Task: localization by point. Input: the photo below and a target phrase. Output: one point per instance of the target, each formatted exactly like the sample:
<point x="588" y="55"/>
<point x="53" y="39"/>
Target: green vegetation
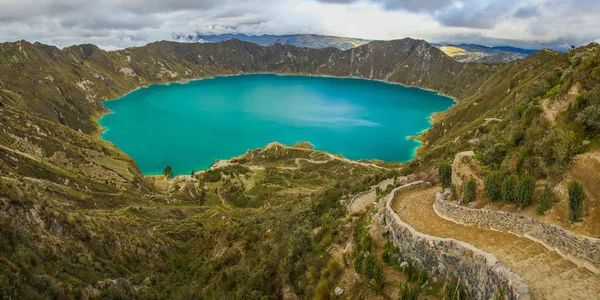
<point x="364" y="259"/>
<point x="525" y="190"/>
<point x="546" y="201"/>
<point x="168" y="171"/>
<point x="454" y="291"/>
<point x="77" y="213"/>
<point x="445" y="174"/>
<point x="576" y="197"/>
<point x="509" y="189"/>
<point x="408" y="292"/>
<point x="470" y="191"/>
<point x="492" y="186"/>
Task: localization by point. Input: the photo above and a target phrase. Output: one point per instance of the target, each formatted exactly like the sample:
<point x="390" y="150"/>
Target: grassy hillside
<point x="78" y="219"/>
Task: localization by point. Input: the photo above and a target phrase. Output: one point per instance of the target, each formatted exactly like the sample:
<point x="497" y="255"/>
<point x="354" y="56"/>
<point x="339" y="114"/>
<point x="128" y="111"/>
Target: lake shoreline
<point x="414" y="150"/>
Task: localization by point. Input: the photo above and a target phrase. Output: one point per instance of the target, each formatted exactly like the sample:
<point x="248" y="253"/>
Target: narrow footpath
<point x="548" y="275"/>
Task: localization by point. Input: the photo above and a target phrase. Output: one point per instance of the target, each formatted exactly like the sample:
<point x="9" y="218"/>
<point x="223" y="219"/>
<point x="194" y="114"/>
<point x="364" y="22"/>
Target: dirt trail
<point x="363" y="200"/>
<point x="548" y="275"/>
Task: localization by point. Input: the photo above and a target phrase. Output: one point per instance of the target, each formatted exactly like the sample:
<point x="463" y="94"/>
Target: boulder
<point x="338" y="291"/>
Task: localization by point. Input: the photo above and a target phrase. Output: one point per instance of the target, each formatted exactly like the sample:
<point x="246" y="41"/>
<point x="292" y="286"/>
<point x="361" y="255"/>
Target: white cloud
<point x="122" y="23"/>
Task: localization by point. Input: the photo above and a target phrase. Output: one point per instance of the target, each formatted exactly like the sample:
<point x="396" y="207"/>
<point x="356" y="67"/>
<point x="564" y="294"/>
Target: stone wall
<point x="583" y="251"/>
<point x="479" y="272"/>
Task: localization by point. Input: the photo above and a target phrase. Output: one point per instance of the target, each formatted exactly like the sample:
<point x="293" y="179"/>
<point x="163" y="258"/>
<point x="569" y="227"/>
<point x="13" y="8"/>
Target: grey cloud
<point x="474" y="14"/>
<point x="161" y="6"/>
<point x="526" y="11"/>
<point x="408" y="5"/>
<point x="416" y="5"/>
<point x="123" y="23"/>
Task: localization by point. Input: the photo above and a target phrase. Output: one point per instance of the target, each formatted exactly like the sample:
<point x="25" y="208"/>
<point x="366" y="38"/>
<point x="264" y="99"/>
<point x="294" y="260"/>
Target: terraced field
<point x="548" y="275"/>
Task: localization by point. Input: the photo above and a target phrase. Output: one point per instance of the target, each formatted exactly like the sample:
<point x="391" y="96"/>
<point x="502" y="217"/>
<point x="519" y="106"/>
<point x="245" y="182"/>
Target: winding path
<point x="548" y="275"/>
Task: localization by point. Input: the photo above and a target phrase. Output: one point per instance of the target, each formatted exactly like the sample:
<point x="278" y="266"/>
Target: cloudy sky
<point x="114" y="24"/>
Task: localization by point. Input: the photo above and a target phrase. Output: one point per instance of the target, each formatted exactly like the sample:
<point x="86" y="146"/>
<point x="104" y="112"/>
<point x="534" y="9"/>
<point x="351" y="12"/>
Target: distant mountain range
<point x="298" y="40"/>
<point x="461" y="53"/>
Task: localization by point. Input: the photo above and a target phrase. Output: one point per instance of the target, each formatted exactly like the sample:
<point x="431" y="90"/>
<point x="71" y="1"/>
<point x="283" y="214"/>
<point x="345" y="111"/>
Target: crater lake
<point x="191" y="125"/>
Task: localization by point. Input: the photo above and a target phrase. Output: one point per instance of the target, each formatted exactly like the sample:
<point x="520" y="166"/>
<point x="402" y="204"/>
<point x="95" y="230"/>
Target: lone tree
<point x="470" y="191"/>
<point x="509" y="189"/>
<point x="576" y="197"/>
<point x="525" y="190"/>
<point x="445" y="174"/>
<point x="168" y="171"/>
<point x="492" y="187"/>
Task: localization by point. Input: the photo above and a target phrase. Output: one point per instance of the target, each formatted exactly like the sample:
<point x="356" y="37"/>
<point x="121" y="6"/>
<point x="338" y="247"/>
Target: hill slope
<point x="69" y="201"/>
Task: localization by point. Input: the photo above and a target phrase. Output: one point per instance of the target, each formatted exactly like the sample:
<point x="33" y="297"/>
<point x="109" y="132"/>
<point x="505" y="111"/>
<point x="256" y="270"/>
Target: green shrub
<point x="494" y="154"/>
<point x="454" y="291"/>
<point x="590" y="117"/>
<point x="470" y="191"/>
<point x="492" y="187"/>
<point x="407" y="292"/>
<point x="322" y="290"/>
<point x="546" y="201"/>
<point x="168" y="171"/>
<point x="212" y="175"/>
<point x="509" y="190"/>
<point x="576" y="197"/>
<point x="445" y="174"/>
<point x="525" y="190"/>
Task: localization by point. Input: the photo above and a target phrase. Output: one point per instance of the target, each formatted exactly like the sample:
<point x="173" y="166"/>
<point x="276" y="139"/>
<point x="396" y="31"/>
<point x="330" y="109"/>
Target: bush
<point x="168" y="171"/>
<point x="470" y="191"/>
<point x="576" y="197"/>
<point x="546" y="201"/>
<point x="525" y="190"/>
<point x="445" y="174"/>
<point x="509" y="189"/>
<point x="322" y="290"/>
<point x="374" y="272"/>
<point x="590" y="117"/>
<point x="388" y="253"/>
<point x="492" y="187"/>
<point x="494" y="155"/>
<point x="407" y="292"/>
<point x="212" y="175"/>
<point x="454" y="291"/>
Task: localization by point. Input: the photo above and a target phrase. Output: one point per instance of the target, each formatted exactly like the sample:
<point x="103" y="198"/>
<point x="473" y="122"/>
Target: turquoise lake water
<point x="191" y="125"/>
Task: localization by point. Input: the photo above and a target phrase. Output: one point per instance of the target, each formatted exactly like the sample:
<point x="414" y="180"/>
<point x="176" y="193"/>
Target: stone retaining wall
<point x="479" y="272"/>
<point x="583" y="251"/>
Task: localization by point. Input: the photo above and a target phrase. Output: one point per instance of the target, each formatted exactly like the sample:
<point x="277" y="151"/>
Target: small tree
<point x="192" y="173"/>
<point x="508" y="191"/>
<point x="546" y="201"/>
<point x="168" y="171"/>
<point x="492" y="187"/>
<point x="470" y="191"/>
<point x="445" y="174"/>
<point x="525" y="190"/>
<point x="576" y="197"/>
